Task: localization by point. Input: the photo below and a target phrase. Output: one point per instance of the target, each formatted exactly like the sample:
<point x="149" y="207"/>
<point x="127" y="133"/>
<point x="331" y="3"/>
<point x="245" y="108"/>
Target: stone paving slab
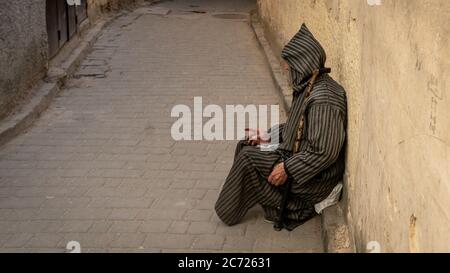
<point x="100" y="167"/>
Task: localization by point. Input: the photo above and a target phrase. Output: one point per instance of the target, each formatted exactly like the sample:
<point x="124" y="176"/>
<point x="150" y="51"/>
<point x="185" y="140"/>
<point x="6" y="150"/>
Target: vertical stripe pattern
<point x="304" y="54"/>
<point x="316" y="168"/>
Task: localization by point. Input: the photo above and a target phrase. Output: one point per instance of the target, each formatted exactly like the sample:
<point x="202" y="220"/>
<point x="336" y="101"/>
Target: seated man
<point x="311" y="150"/>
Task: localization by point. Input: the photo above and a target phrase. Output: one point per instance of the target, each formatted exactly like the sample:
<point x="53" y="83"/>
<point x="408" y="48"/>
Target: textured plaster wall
<point x="394" y="61"/>
<point x="23" y="49"/>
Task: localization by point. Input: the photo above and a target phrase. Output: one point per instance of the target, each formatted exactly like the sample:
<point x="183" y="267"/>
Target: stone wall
<point x="23" y="49"/>
<point x="394" y="61"/>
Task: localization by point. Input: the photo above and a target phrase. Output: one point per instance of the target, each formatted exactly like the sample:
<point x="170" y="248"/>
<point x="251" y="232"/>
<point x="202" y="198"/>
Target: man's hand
<point x="278" y="176"/>
<point x="256" y="137"/>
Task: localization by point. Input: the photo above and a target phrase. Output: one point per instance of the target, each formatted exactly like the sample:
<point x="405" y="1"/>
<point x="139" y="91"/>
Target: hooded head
<point x="304" y="54"/>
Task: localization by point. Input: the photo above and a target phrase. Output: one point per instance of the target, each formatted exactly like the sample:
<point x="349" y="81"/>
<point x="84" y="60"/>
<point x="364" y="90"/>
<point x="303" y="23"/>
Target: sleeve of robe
<point x="325" y="137"/>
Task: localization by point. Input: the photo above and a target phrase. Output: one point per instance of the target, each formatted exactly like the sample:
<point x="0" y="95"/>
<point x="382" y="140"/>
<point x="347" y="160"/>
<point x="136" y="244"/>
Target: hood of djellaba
<point x="304" y="54"/>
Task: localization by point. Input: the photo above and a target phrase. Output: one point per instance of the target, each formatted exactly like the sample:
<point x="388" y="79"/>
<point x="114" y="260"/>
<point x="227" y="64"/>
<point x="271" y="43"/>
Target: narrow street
<point x="100" y="166"/>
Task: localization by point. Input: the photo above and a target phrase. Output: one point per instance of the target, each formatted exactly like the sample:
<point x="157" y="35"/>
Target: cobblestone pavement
<point x="100" y="167"/>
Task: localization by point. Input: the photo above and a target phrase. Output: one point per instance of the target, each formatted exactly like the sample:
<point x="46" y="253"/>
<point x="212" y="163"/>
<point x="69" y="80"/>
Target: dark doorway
<point x="62" y="22"/>
<point x="52" y="27"/>
<point x="82" y="11"/>
<point x="72" y="20"/>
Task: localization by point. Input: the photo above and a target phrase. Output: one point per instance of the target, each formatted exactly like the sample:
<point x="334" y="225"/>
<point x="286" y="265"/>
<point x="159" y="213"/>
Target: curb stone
<point x="335" y="231"/>
<point x="19" y="122"/>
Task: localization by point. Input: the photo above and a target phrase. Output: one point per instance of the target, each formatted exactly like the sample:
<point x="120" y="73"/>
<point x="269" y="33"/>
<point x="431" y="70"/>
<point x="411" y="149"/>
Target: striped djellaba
<point x="316" y="168"/>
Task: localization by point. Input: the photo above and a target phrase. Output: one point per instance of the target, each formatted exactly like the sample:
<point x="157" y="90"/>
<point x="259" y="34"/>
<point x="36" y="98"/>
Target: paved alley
<point x="100" y="166"/>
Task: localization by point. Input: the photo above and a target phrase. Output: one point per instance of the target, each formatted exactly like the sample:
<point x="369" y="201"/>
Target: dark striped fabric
<point x="304" y="54"/>
<point x="247" y="185"/>
<point x="319" y="165"/>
